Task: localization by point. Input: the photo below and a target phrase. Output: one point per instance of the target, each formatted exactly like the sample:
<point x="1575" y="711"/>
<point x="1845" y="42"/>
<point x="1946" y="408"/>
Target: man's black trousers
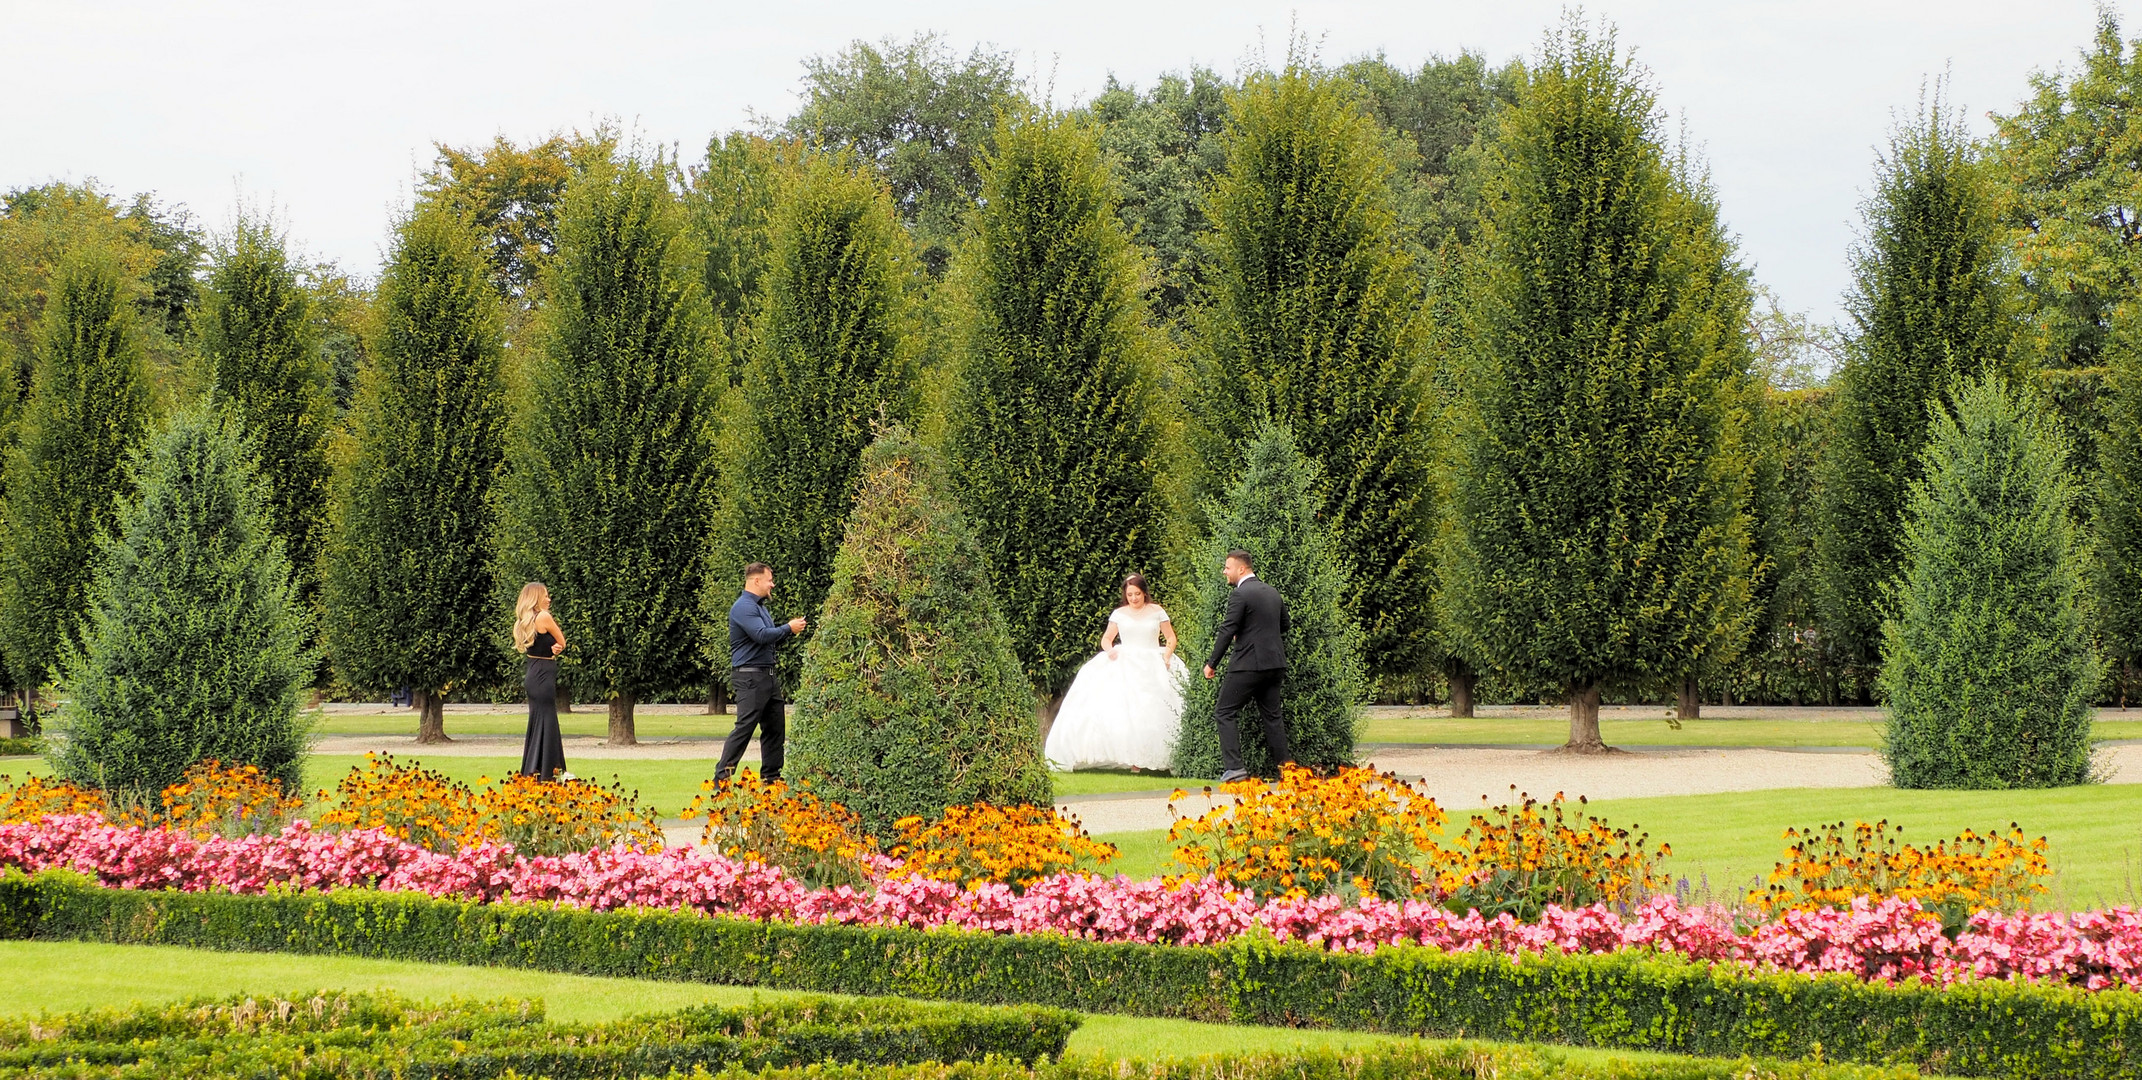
<point x="1239" y="688"/>
<point x="758" y="706"/>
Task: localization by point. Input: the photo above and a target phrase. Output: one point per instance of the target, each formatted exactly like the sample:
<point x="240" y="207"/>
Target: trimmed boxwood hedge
<point x="360" y="1035"/>
<point x="1625" y="1001"/>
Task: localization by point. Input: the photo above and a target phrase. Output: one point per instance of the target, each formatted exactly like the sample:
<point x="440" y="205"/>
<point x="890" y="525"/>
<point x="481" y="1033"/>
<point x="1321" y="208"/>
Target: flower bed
<point x="1886" y="940"/>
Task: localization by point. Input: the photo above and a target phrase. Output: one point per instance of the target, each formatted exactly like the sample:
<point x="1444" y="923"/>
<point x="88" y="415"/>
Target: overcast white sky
<point x="327" y="110"/>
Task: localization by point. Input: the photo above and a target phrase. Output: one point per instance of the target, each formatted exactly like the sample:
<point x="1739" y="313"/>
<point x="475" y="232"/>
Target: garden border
<point x="1611" y="1001"/>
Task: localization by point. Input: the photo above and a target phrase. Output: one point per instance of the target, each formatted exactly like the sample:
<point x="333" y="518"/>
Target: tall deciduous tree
<point x="612" y="470"/>
<point x="922" y="116"/>
<point x="1311" y="320"/>
<point x="830" y="361"/>
<point x="1988" y="667"/>
<point x="729" y="208"/>
<point x="1597" y="531"/>
<point x="194" y="645"/>
<point x="514" y="194"/>
<point x="1272" y="514"/>
<point x="263" y="358"/>
<point x="408" y="581"/>
<point x="1051" y="419"/>
<point x="2068" y="165"/>
<point x="1929" y="309"/>
<point x="2116" y="521"/>
<point x="88" y="408"/>
<point x="912" y="697"/>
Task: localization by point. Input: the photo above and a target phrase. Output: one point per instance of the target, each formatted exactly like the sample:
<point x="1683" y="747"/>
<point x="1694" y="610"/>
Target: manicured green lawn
<point x="1723" y="843"/>
<point x="62" y="976"/>
<point x="584" y="720"/>
<point x="1554" y="730"/>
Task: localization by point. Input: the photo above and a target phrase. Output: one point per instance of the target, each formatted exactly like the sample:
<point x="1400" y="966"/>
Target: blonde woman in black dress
<point x="538" y="638"/>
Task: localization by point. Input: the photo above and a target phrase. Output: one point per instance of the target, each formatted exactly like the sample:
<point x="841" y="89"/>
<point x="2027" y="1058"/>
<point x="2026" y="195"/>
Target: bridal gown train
<point x="1122" y="713"/>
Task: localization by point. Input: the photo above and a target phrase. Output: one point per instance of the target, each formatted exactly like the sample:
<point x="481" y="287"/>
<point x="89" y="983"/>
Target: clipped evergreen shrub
<point x="1312" y="317"/>
<point x="612" y="466"/>
<point x="194" y="644"/>
<point x="264" y="363"/>
<point x="912" y="697"/>
<point x="1988" y="666"/>
<point x="1052" y="418"/>
<point x="407" y="584"/>
<point x="88" y="409"/>
<point x="830" y="360"/>
<point x="1271" y="513"/>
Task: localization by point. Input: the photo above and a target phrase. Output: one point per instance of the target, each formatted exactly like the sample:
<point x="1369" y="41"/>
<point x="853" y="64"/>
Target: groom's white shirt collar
<point x="1246" y="575"/>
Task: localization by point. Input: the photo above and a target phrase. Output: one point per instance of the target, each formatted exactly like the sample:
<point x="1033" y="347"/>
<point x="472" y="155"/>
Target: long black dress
<point x="542" y="750"/>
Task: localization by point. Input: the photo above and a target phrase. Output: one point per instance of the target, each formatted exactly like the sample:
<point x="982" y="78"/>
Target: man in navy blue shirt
<point x="752" y="636"/>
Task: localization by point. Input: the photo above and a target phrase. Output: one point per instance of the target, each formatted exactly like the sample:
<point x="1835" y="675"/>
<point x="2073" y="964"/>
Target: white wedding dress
<point x="1125" y="712"/>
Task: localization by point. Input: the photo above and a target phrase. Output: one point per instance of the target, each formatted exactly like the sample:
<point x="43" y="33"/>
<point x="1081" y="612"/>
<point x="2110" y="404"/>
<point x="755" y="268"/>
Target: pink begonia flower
<point x="1883" y="940"/>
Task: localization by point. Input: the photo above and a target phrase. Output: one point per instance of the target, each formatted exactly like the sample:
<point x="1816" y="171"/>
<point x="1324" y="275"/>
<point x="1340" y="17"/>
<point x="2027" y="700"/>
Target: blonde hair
<point x="535" y="600"/>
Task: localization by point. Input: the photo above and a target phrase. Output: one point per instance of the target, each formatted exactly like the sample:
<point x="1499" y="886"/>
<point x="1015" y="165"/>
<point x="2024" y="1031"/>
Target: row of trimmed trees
<point x="1554" y="467"/>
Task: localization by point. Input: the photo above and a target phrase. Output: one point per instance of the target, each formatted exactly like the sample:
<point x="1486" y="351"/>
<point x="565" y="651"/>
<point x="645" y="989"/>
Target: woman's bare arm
<point x="1108" y="639"/>
<point x="547" y="625"/>
<point x="1167" y="636"/>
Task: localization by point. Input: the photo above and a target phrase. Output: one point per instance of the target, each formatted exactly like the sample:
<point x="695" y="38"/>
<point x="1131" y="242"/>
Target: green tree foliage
<point x="89" y="407"/>
<point x="1271" y="512"/>
<point x="1051" y="422"/>
<point x="830" y="360"/>
<point x="1165" y="145"/>
<point x="262" y="354"/>
<point x="514" y="195"/>
<point x="1433" y="118"/>
<point x="1987" y="666"/>
<point x="913" y="699"/>
<point x="612" y="470"/>
<point x="1928" y="309"/>
<point x="919" y="114"/>
<point x="408" y="581"/>
<point x="194" y="642"/>
<point x="157" y="246"/>
<point x="729" y="207"/>
<point x="1311" y="320"/>
<point x="2068" y="166"/>
<point x="1597" y="530"/>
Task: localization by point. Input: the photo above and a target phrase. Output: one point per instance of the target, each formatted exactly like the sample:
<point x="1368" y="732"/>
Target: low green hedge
<point x="336" y="1035"/>
<point x="1626" y="1001"/>
<point x="1405" y="1061"/>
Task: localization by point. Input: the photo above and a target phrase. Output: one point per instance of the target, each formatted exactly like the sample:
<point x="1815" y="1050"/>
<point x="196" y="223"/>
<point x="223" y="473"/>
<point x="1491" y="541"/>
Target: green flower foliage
<point x="1051" y="423"/>
<point x="88" y="408"/>
<point x="1929" y="307"/>
<point x="1597" y="531"/>
<point x="408" y="582"/>
<point x="831" y="360"/>
<point x="1311" y="320"/>
<point x="194" y="645"/>
<point x="1271" y="513"/>
<point x="1988" y="666"/>
<point x="913" y="699"/>
<point x="612" y="467"/>
<point x="263" y="359"/>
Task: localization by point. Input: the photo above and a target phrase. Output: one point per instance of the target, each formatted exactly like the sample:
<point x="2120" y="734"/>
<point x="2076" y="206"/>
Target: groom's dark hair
<point x="752" y="570"/>
<point x="1242" y="557"/>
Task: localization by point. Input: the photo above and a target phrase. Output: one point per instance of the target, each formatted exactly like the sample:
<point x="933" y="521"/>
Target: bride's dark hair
<point x="1139" y="581"/>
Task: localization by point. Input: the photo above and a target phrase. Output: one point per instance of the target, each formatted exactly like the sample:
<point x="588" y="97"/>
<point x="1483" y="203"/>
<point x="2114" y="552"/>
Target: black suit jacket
<point x="1255" y="628"/>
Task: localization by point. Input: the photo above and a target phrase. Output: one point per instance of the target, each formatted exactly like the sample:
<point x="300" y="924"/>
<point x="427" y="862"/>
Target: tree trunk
<point x="621" y="721"/>
<point x="1461" y="694"/>
<point x="1045" y="710"/>
<point x="717" y="697"/>
<point x="431" y="716"/>
<point x="565" y="696"/>
<point x="1691" y="704"/>
<point x="1584" y="722"/>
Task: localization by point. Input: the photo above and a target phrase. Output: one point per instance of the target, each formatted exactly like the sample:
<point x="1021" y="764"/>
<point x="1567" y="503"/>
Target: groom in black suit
<point x="1255" y="628"/>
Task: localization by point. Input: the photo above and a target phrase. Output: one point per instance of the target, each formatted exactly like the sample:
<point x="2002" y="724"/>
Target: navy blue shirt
<point x="753" y="633"/>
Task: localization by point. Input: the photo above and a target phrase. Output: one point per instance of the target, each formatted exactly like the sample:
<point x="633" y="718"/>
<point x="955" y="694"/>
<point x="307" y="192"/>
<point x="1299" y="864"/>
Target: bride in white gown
<point x="1126" y="705"/>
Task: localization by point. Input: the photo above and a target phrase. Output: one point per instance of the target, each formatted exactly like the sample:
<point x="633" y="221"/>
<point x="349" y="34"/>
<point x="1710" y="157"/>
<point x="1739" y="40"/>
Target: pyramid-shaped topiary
<point x="1271" y="513"/>
<point x="194" y="645"/>
<point x="912" y="698"/>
